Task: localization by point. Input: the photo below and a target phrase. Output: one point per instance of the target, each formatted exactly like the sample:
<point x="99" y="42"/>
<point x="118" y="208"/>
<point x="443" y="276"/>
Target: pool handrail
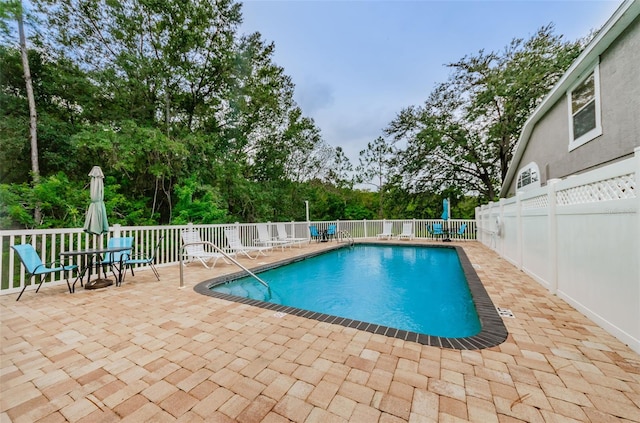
<point x="221" y="251"/>
<point x="345" y="234"/>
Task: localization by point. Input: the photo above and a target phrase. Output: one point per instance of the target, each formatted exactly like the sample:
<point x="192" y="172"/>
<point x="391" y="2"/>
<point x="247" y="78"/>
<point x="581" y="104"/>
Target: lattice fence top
<point x="539" y="202"/>
<point x="618" y="188"/>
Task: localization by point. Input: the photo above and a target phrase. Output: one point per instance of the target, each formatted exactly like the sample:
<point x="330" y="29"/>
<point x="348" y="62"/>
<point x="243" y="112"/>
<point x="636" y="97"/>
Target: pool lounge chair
<point x="235" y="245"/>
<point x="283" y="236"/>
<point x="35" y="267"/>
<point x="265" y="239"/>
<point x="197" y="252"/>
<point x="386" y="231"/>
<point x="407" y="231"/>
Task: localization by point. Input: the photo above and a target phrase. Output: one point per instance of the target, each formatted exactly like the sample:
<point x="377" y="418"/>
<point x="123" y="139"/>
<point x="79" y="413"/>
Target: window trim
<point x="533" y="166"/>
<point x="597" y="131"/>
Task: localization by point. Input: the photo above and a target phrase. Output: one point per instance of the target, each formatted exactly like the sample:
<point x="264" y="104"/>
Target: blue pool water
<point x="412" y="288"/>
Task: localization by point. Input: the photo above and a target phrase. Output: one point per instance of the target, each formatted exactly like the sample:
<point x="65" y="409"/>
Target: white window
<point x="528" y="177"/>
<point x="584" y="109"/>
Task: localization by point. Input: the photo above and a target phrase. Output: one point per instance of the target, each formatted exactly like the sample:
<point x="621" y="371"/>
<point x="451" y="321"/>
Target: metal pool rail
<point x="218" y="249"/>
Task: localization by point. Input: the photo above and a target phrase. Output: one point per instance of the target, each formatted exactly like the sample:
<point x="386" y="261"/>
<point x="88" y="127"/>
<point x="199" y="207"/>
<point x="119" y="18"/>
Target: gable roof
<point x="610" y="31"/>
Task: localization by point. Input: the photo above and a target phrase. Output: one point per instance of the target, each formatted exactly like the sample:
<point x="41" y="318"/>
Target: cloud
<point x="313" y="96"/>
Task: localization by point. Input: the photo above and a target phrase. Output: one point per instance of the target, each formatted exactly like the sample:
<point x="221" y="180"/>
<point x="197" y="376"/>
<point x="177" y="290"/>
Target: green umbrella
<point x="96" y="219"/>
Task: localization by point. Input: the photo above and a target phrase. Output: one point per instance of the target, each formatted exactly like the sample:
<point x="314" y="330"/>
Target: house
<point x="591" y="118"/>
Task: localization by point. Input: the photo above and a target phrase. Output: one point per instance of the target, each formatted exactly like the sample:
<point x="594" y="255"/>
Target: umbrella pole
<point x="448" y="239"/>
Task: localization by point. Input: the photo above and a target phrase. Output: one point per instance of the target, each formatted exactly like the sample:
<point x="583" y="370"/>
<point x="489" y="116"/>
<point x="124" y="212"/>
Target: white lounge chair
<point x="235" y="245"/>
<point x="197" y="251"/>
<point x="386" y="231"/>
<point x="283" y="236"/>
<point x="407" y="231"/>
<point x="265" y="240"/>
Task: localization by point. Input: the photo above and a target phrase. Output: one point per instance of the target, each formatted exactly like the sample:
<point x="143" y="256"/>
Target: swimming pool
<point x="433" y="304"/>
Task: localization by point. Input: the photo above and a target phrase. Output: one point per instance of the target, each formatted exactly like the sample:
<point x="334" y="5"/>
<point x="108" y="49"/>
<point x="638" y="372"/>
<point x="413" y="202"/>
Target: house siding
<point x="620" y="113"/>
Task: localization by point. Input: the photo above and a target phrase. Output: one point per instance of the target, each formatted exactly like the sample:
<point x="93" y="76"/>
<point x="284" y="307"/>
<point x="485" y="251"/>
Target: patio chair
<point x="116" y="260"/>
<point x="436" y="230"/>
<point x="313" y="230"/>
<point x="143" y="261"/>
<point x="283" y="236"/>
<point x="266" y="240"/>
<point x="386" y="231"/>
<point x="34" y="266"/>
<point x="461" y="231"/>
<point x="196" y="251"/>
<point x="235" y="244"/>
<point x="331" y="231"/>
<point x="407" y="231"/>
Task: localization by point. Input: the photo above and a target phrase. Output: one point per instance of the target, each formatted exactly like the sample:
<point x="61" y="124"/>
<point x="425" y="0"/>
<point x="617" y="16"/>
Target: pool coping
<point x="493" y="332"/>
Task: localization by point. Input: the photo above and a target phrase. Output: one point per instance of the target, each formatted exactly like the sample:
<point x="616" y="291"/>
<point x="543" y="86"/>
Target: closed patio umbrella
<point x="446" y="214"/>
<point x="96" y="220"/>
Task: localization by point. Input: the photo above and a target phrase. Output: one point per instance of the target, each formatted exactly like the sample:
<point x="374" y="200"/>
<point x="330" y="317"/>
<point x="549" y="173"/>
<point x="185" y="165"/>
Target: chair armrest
<point x="56" y="263"/>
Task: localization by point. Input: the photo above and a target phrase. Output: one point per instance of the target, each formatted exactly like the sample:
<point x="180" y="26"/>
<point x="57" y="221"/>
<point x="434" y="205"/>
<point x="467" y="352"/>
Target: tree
<point x="466" y="132"/>
<point x="374" y="167"/>
<point x="340" y="171"/>
<point x="15" y="8"/>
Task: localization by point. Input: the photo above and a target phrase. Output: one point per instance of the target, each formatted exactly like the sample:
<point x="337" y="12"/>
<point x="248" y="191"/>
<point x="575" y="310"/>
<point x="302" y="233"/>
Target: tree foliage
<point x="375" y="167"/>
<point x="465" y="133"/>
<point x="191" y="120"/>
<point x="180" y="110"/>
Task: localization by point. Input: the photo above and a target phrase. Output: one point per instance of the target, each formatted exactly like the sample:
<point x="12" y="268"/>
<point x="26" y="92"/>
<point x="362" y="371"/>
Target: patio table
<point x="90" y="255"/>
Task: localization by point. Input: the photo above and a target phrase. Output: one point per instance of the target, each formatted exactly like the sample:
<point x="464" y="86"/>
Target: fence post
<point x="553" y="235"/>
<point x="501" y="230"/>
<point x="365" y="228"/>
<point x="116" y="230"/>
<point x="519" y="233"/>
<point x="636" y="152"/>
<point x="478" y="228"/>
<point x="490" y="234"/>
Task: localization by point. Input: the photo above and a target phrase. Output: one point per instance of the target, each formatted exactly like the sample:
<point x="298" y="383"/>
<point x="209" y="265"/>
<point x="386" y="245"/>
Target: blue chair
<point x="116" y="260"/>
<point x="331" y="231"/>
<point x="461" y="231"/>
<point x="34" y="266"/>
<point x="436" y="230"/>
<point x="143" y="261"/>
<point x="314" y="232"/>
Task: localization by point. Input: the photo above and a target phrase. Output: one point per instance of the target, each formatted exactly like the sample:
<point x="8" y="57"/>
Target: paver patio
<point x="149" y="351"/>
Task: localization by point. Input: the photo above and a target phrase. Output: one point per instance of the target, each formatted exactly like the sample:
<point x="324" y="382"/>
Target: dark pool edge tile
<point x="493" y="332"/>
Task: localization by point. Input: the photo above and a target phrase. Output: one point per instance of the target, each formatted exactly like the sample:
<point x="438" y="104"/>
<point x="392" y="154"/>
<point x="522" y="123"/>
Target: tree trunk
<point x="33" y="117"/>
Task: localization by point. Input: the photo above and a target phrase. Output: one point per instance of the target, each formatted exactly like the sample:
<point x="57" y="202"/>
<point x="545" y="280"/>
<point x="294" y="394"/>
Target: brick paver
<point x="149" y="351"/>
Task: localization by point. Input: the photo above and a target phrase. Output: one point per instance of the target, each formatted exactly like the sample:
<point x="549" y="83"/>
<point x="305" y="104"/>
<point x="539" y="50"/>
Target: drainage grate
<point x="505" y="312"/>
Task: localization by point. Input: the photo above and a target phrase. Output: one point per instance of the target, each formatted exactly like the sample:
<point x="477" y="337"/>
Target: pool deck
<point x="149" y="351"/>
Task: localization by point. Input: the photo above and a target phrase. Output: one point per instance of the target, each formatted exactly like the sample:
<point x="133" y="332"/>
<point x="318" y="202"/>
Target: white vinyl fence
<point x="51" y="242"/>
<point x="580" y="238"/>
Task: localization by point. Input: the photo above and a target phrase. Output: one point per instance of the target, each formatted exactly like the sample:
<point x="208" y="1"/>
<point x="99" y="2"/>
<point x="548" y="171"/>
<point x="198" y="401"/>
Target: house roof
<point x="611" y="30"/>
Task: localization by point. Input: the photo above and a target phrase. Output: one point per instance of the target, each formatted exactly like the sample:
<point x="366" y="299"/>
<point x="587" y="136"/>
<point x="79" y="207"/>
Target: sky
<point x="357" y="64"/>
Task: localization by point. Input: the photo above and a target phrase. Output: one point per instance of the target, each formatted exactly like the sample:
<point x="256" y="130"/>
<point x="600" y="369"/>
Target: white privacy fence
<point x="51" y="242"/>
<point x="580" y="238"/>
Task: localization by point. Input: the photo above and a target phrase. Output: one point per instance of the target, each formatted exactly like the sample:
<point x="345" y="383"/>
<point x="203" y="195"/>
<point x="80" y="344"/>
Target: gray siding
<point x="620" y="112"/>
